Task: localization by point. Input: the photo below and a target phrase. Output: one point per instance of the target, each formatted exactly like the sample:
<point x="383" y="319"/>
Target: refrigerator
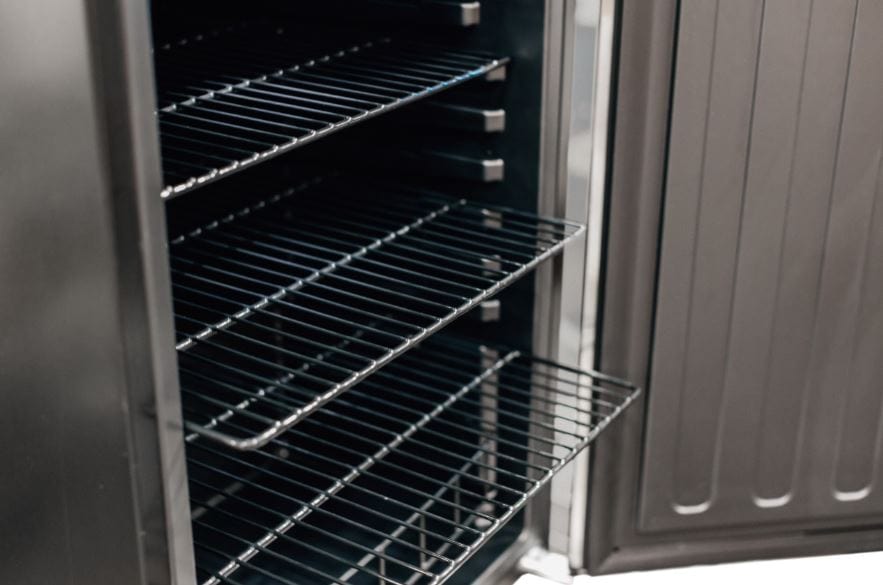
<point x="417" y="291"/>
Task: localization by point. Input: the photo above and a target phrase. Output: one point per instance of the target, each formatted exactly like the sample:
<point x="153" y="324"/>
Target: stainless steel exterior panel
<point x="765" y="401"/>
<point x="93" y="486"/>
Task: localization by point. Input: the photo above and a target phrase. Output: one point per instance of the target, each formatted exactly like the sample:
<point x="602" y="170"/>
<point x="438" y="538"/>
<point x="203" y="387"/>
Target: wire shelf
<point x="313" y="290"/>
<point x="401" y="480"/>
<point x="233" y="98"/>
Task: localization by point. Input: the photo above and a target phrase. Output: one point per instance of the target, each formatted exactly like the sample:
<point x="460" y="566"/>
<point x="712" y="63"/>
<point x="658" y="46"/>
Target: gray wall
<point x="765" y="392"/>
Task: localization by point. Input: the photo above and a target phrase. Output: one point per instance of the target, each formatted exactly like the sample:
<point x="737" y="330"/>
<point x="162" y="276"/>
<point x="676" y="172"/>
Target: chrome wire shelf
<point x="402" y="479"/>
<point x="303" y="295"/>
<point x="234" y="98"/>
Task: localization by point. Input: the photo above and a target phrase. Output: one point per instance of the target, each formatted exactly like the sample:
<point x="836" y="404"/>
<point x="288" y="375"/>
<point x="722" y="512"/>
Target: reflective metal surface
<point x="768" y="323"/>
<point x="346" y="285"/>
<point x="762" y="335"/>
<point x="93" y="488"/>
<point x="591" y="70"/>
<point x="405" y="477"/>
<point x="235" y="97"/>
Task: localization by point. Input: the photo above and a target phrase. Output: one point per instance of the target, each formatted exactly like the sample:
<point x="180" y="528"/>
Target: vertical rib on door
<point x="765" y="401"/>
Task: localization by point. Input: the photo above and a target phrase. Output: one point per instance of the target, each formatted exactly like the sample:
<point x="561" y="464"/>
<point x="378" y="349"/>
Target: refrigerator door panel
<point x="743" y="283"/>
<point x="766" y="402"/>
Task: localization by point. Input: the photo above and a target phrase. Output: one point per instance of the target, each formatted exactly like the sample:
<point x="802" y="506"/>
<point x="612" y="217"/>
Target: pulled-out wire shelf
<point x="301" y="296"/>
<point x="402" y="479"/>
<point x="236" y="97"/>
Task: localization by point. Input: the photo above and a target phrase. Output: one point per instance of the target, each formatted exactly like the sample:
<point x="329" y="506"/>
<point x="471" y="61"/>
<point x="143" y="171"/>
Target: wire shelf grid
<point x="236" y="97"/>
<point x="404" y="478"/>
<point x="316" y="291"/>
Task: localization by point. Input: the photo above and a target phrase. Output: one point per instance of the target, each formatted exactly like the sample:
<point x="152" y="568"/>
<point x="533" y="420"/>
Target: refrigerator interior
<point x="341" y="183"/>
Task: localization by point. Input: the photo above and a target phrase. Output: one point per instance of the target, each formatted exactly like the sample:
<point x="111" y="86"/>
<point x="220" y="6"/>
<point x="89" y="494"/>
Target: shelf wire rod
<point x="331" y="79"/>
<point x="267" y="117"/>
<point x="443" y="70"/>
<point x="368" y="260"/>
<point x="386" y="374"/>
<point x="314" y="231"/>
<point x="255" y="548"/>
<point x="282" y="535"/>
<point x="174" y="148"/>
<point x="315" y="78"/>
<point x="350" y="265"/>
<point x="372" y="427"/>
<point x="319" y="510"/>
<point x="381" y="460"/>
<point x="491" y="486"/>
<point x="466" y="241"/>
<point x="571" y="226"/>
<point x="269" y="393"/>
<point x="619" y="382"/>
<point x="287" y="335"/>
<point x="387" y="252"/>
<point x="297" y="108"/>
<point x="249" y="131"/>
<point x="275" y="349"/>
<point x="623" y="386"/>
<point x="474" y="214"/>
<point x="332" y="492"/>
<point x="448" y="222"/>
<point x="296" y="290"/>
<point x="338" y="220"/>
<point x="279" y="299"/>
<point x="467" y="413"/>
<point x="460" y="427"/>
<point x="466" y="428"/>
<point x="292" y="89"/>
<point x="575" y="395"/>
<point x="330" y="113"/>
<point x="260" y="145"/>
<point x="421" y="48"/>
<point x="205" y="145"/>
<point x="273" y="92"/>
<point x="167" y="160"/>
<point x="412" y="82"/>
<point x="270" y="312"/>
<point x="337" y="497"/>
<point x="439" y="56"/>
<point x="558" y="380"/>
<point x="440" y="436"/>
<point x="408" y="69"/>
<point x="351" y="339"/>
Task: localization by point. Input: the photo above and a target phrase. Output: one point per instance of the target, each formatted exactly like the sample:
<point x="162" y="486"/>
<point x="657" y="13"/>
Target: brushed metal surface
<point x="764" y="397"/>
<point x="59" y="372"/>
<point x="89" y="454"/>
